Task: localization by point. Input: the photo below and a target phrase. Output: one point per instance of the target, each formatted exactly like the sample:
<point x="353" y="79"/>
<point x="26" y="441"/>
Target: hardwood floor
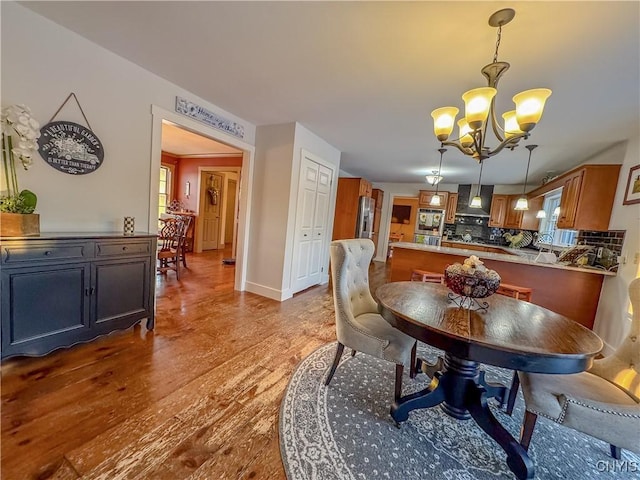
<point x="196" y="398"/>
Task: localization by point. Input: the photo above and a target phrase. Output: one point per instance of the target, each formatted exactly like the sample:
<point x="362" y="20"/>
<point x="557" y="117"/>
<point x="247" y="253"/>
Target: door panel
<point x="311" y="224"/>
<point x="211" y="192"/>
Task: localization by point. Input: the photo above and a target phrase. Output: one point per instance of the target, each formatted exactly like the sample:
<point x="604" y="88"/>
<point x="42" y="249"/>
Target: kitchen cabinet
<point x="504" y="215"/>
<point x="424" y="199"/>
<point x="529" y="220"/>
<point x="569" y="200"/>
<point x="378" y="196"/>
<point x="498" y="212"/>
<point x="347" y="200"/>
<point x="588" y="193"/>
<point x="452" y="206"/>
<point x="61" y="289"/>
<point x="513" y="217"/>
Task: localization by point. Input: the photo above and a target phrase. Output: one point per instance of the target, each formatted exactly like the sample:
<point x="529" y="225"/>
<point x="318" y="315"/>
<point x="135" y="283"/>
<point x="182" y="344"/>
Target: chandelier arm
<point x="495" y="126"/>
<point x="507" y="142"/>
<point x="478" y="143"/>
<point x="466" y="151"/>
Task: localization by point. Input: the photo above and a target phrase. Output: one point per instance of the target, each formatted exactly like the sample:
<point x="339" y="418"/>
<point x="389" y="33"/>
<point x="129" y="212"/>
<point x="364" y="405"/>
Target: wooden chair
<point x="184" y="245"/>
<point x="521" y="293"/>
<point x="424" y="276"/>
<point x="170" y="247"/>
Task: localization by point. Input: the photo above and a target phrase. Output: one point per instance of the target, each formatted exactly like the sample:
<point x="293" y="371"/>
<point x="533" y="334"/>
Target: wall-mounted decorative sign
<point x="208" y="117"/>
<point x="70" y="147"/>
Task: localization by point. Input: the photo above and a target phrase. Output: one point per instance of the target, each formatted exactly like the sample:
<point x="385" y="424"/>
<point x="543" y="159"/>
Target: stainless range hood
<point x="466" y="192"/>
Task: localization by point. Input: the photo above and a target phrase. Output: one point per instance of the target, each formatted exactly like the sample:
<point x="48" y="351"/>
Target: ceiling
<point x="365" y="76"/>
<point x="184" y="143"/>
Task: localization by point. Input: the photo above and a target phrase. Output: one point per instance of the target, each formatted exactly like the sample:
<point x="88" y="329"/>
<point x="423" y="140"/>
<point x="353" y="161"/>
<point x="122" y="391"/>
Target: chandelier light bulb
<point x="529" y="107"/>
<point x="466" y="140"/>
<point x="443" y="121"/>
<point x="477" y="103"/>
<point x="511" y="126"/>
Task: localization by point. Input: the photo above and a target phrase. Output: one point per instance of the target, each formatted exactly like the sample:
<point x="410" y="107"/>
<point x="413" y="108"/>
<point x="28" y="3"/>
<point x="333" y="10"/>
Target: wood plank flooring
<point x="196" y="398"/>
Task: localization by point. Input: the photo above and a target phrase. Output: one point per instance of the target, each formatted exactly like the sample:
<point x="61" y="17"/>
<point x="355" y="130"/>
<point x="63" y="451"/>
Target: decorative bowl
<point x="479" y="284"/>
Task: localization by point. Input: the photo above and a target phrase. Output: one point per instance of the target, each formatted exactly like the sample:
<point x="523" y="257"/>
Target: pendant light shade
<point x="541" y="214"/>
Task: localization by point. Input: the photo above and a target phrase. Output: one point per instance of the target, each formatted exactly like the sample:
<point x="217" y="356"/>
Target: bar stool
<point x="520" y="293"/>
<point x="424" y="276"/>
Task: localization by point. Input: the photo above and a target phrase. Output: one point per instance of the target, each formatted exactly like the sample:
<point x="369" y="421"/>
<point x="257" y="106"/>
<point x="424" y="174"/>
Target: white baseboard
<point x="268" y="292"/>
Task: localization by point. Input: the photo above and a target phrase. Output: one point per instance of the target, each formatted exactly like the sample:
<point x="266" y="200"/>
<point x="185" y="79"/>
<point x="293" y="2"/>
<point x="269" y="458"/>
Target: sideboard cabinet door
<point x="121" y="293"/>
<point x="44" y="307"/>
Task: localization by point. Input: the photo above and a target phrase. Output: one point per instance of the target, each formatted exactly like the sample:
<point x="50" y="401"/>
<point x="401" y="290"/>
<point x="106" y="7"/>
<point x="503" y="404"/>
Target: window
<point x="549" y="233"/>
<point x="165" y="188"/>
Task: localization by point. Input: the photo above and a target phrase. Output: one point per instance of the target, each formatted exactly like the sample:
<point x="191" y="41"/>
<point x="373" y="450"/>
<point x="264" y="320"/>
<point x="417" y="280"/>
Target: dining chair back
<point x="359" y="326"/>
<point x="170" y="246"/>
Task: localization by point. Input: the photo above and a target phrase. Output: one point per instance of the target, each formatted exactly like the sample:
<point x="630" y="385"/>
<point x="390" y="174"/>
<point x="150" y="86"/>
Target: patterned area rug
<point x="345" y="432"/>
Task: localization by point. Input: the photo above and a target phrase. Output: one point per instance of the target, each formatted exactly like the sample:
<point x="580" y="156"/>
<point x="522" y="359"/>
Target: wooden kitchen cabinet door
<point x="498" y="213"/>
<point x="452" y="206"/>
<point x="513" y="217"/>
<point x="569" y="201"/>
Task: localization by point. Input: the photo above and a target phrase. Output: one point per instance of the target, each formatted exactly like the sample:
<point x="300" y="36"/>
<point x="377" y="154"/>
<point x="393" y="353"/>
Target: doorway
<point x="244" y="172"/>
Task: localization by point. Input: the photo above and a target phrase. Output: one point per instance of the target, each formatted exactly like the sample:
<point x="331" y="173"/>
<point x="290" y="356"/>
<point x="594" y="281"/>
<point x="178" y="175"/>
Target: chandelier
<point x="479" y="109"/>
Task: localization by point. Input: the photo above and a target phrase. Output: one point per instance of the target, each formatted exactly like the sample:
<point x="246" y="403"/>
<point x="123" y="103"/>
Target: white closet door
<point x="311" y="232"/>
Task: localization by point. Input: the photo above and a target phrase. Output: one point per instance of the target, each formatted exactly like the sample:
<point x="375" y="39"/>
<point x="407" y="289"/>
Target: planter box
<point x="19" y="224"/>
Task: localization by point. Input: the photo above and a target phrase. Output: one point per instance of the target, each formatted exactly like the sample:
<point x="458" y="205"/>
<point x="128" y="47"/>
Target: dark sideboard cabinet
<point x="61" y="289"/>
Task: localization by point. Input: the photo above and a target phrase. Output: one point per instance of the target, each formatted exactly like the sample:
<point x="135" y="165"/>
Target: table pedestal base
<point x="463" y="392"/>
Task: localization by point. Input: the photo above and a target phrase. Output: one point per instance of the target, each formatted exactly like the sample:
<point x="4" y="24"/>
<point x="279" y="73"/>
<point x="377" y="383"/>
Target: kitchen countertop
<point x="512" y="255"/>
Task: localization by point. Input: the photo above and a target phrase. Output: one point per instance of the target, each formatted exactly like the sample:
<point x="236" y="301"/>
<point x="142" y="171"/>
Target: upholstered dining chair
<point x="603" y="402"/>
<point x="171" y="238"/>
<point x="359" y="326"/>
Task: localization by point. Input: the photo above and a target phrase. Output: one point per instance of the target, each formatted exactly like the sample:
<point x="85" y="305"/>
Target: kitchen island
<point x="570" y="291"/>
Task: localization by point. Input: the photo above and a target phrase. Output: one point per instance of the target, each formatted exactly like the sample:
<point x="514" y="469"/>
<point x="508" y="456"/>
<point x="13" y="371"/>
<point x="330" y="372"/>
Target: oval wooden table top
<point x="513" y="334"/>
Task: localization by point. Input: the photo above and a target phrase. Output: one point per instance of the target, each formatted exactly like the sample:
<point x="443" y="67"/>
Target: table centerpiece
<point x="469" y="282"/>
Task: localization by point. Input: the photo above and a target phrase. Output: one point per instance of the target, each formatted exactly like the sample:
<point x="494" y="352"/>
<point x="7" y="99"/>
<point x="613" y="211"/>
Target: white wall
<point x="278" y="157"/>
<point x="270" y="208"/>
<point x="41" y="64"/>
<point x="612" y="322"/>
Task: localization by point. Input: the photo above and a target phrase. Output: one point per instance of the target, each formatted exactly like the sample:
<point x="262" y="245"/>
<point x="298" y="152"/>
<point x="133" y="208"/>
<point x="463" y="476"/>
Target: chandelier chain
<point x="499" y="37"/>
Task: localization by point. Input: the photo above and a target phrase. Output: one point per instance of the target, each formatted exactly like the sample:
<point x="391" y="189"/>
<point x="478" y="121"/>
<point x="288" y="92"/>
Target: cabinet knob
<point x="47" y="253"/>
<point x="304" y="235"/>
<point x="124" y="248"/>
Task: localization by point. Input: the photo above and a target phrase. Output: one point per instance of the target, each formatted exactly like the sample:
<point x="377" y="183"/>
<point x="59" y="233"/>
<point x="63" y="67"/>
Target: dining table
<point x="509" y="333"/>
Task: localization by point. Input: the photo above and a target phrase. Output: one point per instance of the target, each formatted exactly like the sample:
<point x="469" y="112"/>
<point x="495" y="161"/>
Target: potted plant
<point x="20" y="132"/>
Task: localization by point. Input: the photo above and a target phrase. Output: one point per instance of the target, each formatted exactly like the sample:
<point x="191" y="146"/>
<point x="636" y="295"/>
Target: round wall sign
<point x="70" y="148"/>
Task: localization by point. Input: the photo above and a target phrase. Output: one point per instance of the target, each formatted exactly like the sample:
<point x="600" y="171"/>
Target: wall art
<point x="70" y="148"/>
<point x="193" y="110"/>
<point x="632" y="192"/>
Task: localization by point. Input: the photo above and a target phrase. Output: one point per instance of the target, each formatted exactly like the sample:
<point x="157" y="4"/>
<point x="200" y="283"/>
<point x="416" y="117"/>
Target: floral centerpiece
<point x="471" y="280"/>
<point x="16" y="120"/>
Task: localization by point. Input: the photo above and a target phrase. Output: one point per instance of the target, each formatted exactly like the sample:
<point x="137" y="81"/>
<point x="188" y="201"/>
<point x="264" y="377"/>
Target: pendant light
<point x="476" y="202"/>
<point x="523" y="202"/>
<point x="541" y="214"/>
<point x="436" y="200"/>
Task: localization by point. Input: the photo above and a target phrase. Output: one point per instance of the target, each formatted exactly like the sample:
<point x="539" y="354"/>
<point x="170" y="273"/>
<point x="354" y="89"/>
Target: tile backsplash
<point x="607" y="246"/>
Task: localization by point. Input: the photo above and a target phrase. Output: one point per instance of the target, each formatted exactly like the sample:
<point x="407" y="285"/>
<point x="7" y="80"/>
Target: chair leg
<point x="353" y="352"/>
<point x="336" y="360"/>
<point x="184" y="257"/>
<point x="527" y="429"/>
<point x="513" y="392"/>
<point x="616" y="452"/>
<point x="412" y="366"/>
<point x="398" y="387"/>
